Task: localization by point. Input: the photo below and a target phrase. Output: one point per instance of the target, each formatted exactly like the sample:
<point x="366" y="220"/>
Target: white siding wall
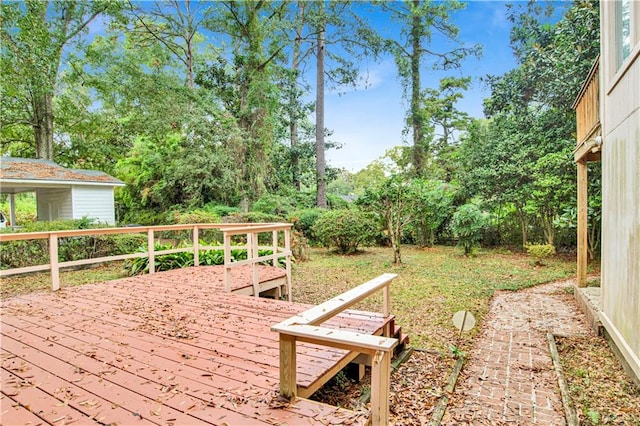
<point x="620" y="310"/>
<point x="94" y="202"/>
<point x="53" y="204"/>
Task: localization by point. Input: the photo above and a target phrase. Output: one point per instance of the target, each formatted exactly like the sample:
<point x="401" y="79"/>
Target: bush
<point x="540" y="252"/>
<point x="167" y="262"/>
<point x="274" y="204"/>
<point x="194" y="216"/>
<point x="303" y="221"/>
<point x="220" y="210"/>
<point x="468" y="222"/>
<point x="336" y="202"/>
<point x="17" y="254"/>
<point x="344" y="229"/>
<point x="252" y="217"/>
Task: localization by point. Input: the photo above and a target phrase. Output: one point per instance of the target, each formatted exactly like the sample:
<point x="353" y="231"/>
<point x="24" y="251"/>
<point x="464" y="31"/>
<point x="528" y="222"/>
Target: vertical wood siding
<point x="621" y="195"/>
<point x="94" y="202"/>
<point x="53" y="204"/>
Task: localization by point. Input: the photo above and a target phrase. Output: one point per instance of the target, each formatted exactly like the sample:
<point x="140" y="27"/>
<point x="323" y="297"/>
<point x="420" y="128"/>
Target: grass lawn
<point x="432" y="284"/>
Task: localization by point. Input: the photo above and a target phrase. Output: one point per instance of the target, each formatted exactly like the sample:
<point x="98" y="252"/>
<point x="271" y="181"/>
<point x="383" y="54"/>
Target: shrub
<point x="336" y="202"/>
<point x="220" y="210"/>
<point x="252" y="217"/>
<point x="167" y="262"/>
<point x="344" y="229"/>
<point x="274" y="204"/>
<point x="468" y="222"/>
<point x="303" y="221"/>
<point x="194" y="216"/>
<point x="16" y="254"/>
<point x="540" y="252"/>
<point x="299" y="246"/>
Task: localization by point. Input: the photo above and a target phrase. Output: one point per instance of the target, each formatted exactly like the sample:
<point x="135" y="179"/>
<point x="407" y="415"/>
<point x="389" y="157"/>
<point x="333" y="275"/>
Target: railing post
<point x="287" y="248"/>
<point x="151" y="251"/>
<point x="254" y="266"/>
<point x="53" y="262"/>
<point x="274" y="246"/>
<point x="380" y="370"/>
<point x="196" y="246"/>
<point x="288" y="386"/>
<point x="386" y="309"/>
<point x="227" y="262"/>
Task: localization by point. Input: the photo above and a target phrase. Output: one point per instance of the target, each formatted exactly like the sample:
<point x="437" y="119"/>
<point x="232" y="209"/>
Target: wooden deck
<point x="272" y="280"/>
<point x="164" y="348"/>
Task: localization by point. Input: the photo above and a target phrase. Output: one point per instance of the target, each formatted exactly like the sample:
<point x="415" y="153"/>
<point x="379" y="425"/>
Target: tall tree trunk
<point x="43" y="125"/>
<point x="293" y="104"/>
<point x="321" y="200"/>
<point x="417" y="122"/>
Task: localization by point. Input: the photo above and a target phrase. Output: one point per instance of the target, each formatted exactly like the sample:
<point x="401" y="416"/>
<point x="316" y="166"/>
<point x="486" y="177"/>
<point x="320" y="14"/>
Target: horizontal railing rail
<point x="251" y="231"/>
<point x="305" y="327"/>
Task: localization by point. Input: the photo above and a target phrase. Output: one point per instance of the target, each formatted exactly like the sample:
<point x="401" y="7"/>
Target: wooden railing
<point x="587" y="106"/>
<point x="305" y="327"/>
<point x="250" y="230"/>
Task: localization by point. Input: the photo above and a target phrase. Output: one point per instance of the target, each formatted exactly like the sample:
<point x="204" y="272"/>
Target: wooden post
<point x="254" y="265"/>
<point x="53" y="262"/>
<point x="386" y="309"/>
<point x="380" y="370"/>
<point x="227" y="263"/>
<point x="196" y="246"/>
<point x="12" y="209"/>
<point x="287" y="248"/>
<point x="151" y="251"/>
<point x="274" y="247"/>
<point x="288" y="386"/>
<point x="582" y="223"/>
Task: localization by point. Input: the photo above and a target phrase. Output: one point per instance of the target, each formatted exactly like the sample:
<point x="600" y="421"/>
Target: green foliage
<point x="251" y="217"/>
<point x="431" y="203"/>
<point x="16" y="254"/>
<point x="167" y="262"/>
<point x="390" y="201"/>
<point x="540" y="251"/>
<point x="220" y="210"/>
<point x="194" y="216"/>
<point x="468" y="222"/>
<point x="303" y="221"/>
<point x="274" y="204"/>
<point x="344" y="229"/>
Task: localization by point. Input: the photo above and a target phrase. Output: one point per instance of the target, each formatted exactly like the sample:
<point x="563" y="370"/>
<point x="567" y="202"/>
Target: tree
<point x="420" y="20"/>
<point x="175" y="25"/>
<point x="439" y="107"/>
<point x="467" y="225"/>
<point x="390" y="201"/>
<point x="533" y="122"/>
<point x="244" y="84"/>
<point x="34" y="37"/>
<point x="431" y="205"/>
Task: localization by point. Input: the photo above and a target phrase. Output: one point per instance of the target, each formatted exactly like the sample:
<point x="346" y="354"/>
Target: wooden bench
<point x="306" y="327"/>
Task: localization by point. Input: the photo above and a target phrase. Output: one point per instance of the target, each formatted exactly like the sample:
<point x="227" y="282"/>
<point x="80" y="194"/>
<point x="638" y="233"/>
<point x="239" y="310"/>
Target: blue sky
<point x="369" y="121"/>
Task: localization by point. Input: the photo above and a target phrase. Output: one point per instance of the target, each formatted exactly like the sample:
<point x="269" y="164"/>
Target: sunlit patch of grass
<point x="432" y="284"/>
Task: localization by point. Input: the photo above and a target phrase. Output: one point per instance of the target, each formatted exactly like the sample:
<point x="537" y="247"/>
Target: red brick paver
<point x="509" y="377"/>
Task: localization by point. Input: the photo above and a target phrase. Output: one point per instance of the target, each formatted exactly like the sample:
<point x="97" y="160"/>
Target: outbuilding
<point x="61" y="193"/>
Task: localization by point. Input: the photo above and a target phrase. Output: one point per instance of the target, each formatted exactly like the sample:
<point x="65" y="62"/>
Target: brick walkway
<point x="509" y="377"/>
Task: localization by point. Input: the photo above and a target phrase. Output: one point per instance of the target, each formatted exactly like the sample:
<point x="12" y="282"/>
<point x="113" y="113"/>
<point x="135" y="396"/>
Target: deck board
<point x="165" y="348"/>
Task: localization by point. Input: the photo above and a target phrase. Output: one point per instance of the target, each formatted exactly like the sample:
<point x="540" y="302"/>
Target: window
<point x="623" y="31"/>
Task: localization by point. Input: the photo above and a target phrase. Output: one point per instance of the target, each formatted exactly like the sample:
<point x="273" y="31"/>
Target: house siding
<point x="620" y="103"/>
<point x="94" y="202"/>
<point x="54" y="204"/>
